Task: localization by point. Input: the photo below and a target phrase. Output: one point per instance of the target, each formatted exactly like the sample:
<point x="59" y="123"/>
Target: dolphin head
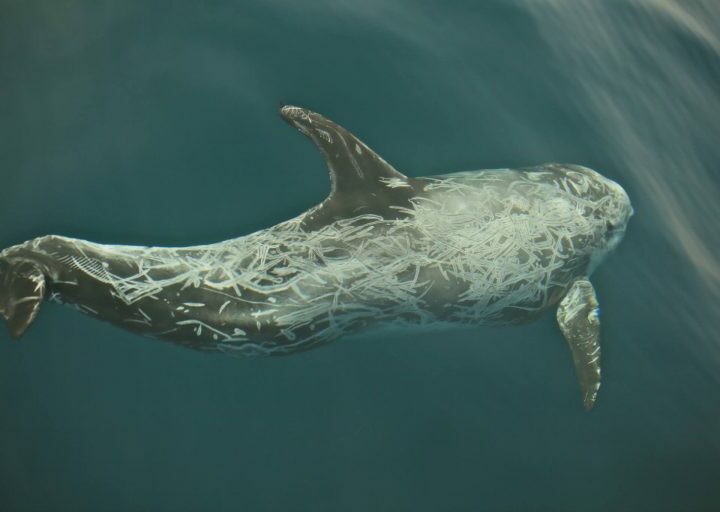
<point x="617" y="212"/>
<point x="606" y="207"/>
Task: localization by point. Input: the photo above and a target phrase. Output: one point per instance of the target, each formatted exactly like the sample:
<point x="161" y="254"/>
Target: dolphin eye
<point x="610" y="226"/>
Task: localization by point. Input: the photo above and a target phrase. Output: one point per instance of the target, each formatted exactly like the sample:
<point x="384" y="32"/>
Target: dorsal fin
<point x="362" y="182"/>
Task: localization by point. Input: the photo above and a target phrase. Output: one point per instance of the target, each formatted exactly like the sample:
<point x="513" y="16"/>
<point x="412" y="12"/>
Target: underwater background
<point x="156" y="123"/>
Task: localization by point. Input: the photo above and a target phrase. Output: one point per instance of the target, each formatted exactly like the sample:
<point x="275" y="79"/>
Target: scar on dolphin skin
<point x="483" y="247"/>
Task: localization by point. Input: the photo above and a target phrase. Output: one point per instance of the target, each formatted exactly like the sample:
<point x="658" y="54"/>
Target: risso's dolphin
<point x="480" y="247"/>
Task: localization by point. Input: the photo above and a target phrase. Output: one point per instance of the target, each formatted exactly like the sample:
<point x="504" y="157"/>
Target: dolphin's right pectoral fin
<point x="22" y="289"/>
<point x="580" y="324"/>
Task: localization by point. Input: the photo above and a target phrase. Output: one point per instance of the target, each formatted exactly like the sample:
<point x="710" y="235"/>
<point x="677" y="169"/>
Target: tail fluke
<point x="22" y="289"/>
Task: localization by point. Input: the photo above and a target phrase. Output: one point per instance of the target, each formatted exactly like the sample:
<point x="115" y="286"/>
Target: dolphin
<point x="498" y="246"/>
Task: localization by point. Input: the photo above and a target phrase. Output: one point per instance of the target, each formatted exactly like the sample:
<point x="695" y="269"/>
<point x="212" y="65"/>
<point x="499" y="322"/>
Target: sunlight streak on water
<point x="648" y="71"/>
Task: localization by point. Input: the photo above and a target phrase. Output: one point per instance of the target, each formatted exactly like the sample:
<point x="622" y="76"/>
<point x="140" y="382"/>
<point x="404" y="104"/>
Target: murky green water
<point x="155" y="123"/>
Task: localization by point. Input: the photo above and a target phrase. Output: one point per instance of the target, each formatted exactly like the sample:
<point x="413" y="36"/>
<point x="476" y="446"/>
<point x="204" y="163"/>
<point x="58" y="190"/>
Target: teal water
<point x="156" y="123"/>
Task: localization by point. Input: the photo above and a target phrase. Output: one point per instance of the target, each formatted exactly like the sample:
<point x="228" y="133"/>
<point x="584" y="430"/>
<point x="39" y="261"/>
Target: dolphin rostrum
<point x="481" y="247"/>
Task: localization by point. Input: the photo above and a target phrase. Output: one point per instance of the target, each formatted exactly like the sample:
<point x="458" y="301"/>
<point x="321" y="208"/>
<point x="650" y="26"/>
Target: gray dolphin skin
<point x="481" y="247"/>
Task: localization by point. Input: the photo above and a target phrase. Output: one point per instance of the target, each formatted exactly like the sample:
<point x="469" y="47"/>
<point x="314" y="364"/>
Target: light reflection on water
<point x="648" y="72"/>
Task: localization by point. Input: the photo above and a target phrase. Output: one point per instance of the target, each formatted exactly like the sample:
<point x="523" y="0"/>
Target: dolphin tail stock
<point x="22" y="289"/>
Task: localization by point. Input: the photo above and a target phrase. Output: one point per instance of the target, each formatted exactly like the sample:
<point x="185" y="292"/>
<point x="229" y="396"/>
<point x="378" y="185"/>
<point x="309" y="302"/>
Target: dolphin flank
<point x="497" y="246"/>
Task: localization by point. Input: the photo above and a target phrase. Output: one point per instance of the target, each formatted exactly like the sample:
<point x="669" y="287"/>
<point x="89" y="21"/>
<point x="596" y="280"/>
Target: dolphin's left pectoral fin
<point x="579" y="322"/>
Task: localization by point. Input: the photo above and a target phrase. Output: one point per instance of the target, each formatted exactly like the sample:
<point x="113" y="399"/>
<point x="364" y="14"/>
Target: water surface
<point x="146" y="123"/>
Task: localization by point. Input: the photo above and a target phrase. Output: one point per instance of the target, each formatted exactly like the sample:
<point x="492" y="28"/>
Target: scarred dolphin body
<point x="481" y="247"/>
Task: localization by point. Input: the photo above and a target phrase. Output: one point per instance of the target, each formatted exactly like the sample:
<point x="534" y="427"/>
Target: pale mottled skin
<point x="479" y="247"/>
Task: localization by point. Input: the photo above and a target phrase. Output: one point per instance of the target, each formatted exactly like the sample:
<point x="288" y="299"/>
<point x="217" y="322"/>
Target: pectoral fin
<point x="580" y="324"/>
